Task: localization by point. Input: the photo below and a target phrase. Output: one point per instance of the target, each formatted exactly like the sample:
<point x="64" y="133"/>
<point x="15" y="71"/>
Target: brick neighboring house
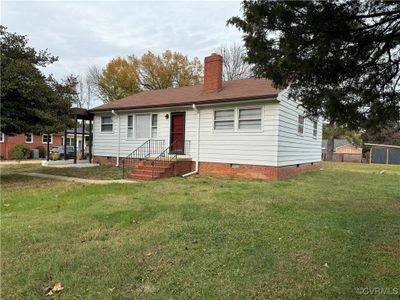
<point x="29" y="140"/>
<point x="343" y="151"/>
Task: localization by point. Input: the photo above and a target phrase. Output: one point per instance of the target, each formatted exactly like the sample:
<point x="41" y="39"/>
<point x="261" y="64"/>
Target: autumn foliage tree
<point x="122" y="77"/>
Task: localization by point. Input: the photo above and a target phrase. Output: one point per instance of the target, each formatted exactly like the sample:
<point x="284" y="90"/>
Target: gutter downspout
<point x="197" y="143"/>
<point x="119" y="137"/>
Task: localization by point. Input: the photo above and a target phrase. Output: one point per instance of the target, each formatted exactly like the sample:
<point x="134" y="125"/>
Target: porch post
<point x="75" y="132"/>
<point x="48" y="147"/>
<point x="83" y="139"/>
<point x="90" y="141"/>
<point x="65" y="144"/>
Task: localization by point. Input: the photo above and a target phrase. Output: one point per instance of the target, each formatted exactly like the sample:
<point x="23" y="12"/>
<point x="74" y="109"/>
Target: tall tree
<point x="235" y="66"/>
<point x="126" y="76"/>
<point x="120" y="78"/>
<point x="340" y="58"/>
<point x="389" y="134"/>
<point x="93" y="75"/>
<point x="31" y="102"/>
<point x="170" y="69"/>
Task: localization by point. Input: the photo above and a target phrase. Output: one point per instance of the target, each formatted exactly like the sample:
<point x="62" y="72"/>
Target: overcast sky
<point x="83" y="33"/>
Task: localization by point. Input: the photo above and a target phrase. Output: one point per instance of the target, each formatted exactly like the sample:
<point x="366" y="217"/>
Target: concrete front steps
<point x="144" y="170"/>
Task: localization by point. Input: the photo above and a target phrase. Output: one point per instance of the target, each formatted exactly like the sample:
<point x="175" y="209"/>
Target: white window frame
<point x="130" y="126"/>
<point x="300" y="125"/>
<point x="224" y="130"/>
<point x="2" y="137"/>
<point x="315" y="129"/>
<point x="261" y="119"/>
<point x="236" y="119"/>
<point x="31" y="134"/>
<point x="153" y="127"/>
<point x="101" y="124"/>
<point x="51" y="139"/>
<point x="69" y="140"/>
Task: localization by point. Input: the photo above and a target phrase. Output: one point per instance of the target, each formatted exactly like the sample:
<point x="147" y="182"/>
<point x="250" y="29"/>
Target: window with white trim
<point x="315" y="129"/>
<point x="300" y="127"/>
<point x="249" y="118"/>
<point x="70" y="141"/>
<point x="28" y="138"/>
<point x="142" y="126"/>
<point x="1" y="137"/>
<point x="106" y="124"/>
<point x="224" y="119"/>
<point x="154" y="124"/>
<point x="47" y="136"/>
<point x="130" y="127"/>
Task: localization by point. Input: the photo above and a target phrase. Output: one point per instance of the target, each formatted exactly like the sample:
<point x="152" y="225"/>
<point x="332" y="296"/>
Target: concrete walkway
<point x="75" y="179"/>
<point x="21" y="162"/>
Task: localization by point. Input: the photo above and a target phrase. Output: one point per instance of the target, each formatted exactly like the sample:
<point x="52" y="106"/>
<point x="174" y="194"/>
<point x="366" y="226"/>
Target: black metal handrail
<point x="148" y="148"/>
<point x="163" y="160"/>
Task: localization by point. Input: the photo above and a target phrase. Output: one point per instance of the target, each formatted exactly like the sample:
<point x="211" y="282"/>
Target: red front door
<point x="178" y="132"/>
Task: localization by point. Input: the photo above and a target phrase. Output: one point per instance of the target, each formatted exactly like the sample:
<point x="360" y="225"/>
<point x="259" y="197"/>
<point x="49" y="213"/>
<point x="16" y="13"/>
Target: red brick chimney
<point x="213" y="73"/>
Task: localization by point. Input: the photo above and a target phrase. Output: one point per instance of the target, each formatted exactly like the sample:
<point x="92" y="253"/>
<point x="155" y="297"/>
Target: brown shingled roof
<point x="234" y="90"/>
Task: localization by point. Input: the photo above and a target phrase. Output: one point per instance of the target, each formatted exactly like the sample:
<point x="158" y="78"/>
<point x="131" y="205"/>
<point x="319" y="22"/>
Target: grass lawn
<point x="319" y="235"/>
<point x="100" y="172"/>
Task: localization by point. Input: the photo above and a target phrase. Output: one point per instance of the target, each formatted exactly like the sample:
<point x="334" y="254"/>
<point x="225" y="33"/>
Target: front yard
<point x="320" y="235"/>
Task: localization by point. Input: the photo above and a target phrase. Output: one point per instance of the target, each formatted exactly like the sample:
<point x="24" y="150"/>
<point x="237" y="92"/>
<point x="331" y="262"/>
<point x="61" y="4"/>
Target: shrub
<point x="20" y="152"/>
<point x="42" y="151"/>
<point x="55" y="156"/>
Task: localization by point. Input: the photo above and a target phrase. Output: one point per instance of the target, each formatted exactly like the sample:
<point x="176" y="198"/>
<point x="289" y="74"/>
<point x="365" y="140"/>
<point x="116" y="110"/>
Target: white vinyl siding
<point x="106" y="124"/>
<point x="237" y="147"/>
<point x="254" y="147"/>
<point x="28" y="138"/>
<point x="250" y="119"/>
<point x="130" y="127"/>
<point x="295" y="148"/>
<point x="224" y="119"/>
<point x="277" y="143"/>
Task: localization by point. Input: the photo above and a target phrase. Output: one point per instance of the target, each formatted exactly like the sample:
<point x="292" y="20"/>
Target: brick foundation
<point x="106" y="160"/>
<point x="256" y="172"/>
<point x="182" y="167"/>
<point x="235" y="170"/>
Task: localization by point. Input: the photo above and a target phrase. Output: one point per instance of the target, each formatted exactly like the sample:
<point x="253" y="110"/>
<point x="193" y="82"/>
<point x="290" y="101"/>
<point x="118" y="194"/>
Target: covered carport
<point x="382" y="154"/>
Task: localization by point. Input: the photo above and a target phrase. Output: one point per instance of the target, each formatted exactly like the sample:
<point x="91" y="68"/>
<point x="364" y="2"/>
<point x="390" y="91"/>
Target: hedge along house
<point x="241" y="128"/>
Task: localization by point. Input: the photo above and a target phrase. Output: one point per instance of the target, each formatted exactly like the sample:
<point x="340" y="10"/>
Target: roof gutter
<point x="197" y="144"/>
<point x="119" y="137"/>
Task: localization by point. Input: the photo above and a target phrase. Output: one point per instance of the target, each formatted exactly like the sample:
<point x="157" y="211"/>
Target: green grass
<point x="100" y="172"/>
<point x="202" y="237"/>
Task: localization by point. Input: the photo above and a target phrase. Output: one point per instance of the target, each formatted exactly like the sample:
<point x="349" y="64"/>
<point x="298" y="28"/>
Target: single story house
<point x="29" y="140"/>
<point x="241" y="127"/>
<point x="34" y="141"/>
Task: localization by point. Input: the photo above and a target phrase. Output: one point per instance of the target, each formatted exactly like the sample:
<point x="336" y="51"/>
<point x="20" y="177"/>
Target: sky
<point x="85" y="33"/>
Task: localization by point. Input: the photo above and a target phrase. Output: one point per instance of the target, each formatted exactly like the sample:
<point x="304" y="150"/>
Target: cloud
<point x="86" y="33"/>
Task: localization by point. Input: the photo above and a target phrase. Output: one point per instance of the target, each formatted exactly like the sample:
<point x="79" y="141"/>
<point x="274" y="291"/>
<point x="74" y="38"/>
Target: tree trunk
<point x="330" y="147"/>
